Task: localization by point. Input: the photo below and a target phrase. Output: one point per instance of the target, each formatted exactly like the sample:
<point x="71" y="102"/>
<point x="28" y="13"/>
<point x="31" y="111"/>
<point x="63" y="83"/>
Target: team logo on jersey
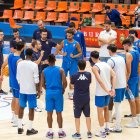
<point x="78" y="35"/>
<point x="82" y="77"/>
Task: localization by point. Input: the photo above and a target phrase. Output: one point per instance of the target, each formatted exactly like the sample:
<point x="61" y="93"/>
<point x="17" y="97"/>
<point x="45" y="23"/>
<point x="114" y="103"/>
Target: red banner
<point x="91" y="36"/>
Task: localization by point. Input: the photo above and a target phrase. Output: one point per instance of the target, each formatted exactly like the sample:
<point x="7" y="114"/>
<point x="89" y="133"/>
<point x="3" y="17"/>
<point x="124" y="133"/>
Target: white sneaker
<point x="138" y="119"/>
<point x="12" y="120"/>
<point x="132" y="124"/>
<point x="37" y="109"/>
<point x="116" y="130"/>
<point x="15" y="124"/>
<point x="101" y="134"/>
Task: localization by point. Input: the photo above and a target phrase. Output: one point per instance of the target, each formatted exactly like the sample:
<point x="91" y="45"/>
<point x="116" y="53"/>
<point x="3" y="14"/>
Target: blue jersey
<point x="53" y="79"/>
<point x="134" y="64"/>
<point x="12" y="63"/>
<point x="79" y="37"/>
<point x="69" y="48"/>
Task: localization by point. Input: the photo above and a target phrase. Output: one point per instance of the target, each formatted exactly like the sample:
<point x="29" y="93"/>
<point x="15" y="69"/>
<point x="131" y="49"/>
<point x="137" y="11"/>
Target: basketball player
<point x="71" y="51"/>
<point x="117" y="63"/>
<point x="55" y="83"/>
<point x="81" y="99"/>
<point x="12" y="61"/>
<point x="105" y="87"/>
<point x="132" y="61"/>
<point x="28" y="78"/>
<point x="1" y="60"/>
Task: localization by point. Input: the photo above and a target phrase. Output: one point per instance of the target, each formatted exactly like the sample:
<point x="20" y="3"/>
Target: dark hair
<point x="70" y="31"/>
<point x="107" y="22"/>
<point x="15" y="30"/>
<point x="51" y="58"/>
<point x="127" y="42"/>
<point x="112" y="48"/>
<point x="1" y="30"/>
<point x="43" y="30"/>
<point x="94" y="54"/>
<point x="82" y="64"/>
<point x="29" y="52"/>
<point x="131" y="38"/>
<point x="71" y="25"/>
<point x="133" y="32"/>
<point x="20" y="45"/>
<point x="107" y="7"/>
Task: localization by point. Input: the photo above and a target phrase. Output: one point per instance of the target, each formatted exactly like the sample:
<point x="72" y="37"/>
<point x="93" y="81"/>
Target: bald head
<point x="40" y="24"/>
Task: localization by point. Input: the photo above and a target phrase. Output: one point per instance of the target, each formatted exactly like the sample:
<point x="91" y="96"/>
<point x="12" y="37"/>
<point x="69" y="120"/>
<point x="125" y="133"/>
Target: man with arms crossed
<point x="54" y="81"/>
<point x="105" y="87"/>
<point x="28" y="78"/>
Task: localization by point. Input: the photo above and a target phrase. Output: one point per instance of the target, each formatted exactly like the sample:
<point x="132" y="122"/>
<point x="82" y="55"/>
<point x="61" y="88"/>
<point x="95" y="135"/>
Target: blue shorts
<point x="119" y="94"/>
<point x="15" y="92"/>
<point x="54" y="102"/>
<point x="31" y="98"/>
<point x="102" y="101"/>
<point x="133" y="84"/>
<point x="72" y="67"/>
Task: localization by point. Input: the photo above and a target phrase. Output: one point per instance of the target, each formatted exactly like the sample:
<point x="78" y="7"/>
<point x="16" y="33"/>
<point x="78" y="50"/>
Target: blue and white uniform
<point x="101" y="97"/>
<point x="70" y="64"/>
<point x="12" y="63"/>
<point x="118" y="65"/>
<point x="54" y="89"/>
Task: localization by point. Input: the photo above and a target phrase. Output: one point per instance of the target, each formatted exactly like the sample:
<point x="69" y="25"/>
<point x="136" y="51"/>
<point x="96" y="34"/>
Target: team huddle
<point x="116" y="77"/>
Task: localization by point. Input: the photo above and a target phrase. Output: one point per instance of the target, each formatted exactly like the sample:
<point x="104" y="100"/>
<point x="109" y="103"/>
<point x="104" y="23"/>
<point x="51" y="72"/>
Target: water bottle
<point x="130" y="94"/>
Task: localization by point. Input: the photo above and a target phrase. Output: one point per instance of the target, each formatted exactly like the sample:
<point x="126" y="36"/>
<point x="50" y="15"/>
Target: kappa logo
<point x="82" y="77"/>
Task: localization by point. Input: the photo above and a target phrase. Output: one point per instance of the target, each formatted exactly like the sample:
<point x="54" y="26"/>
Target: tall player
<point x="12" y="61"/>
<point x="71" y="51"/>
<point x="118" y="65"/>
<point x="105" y="86"/>
<point x="55" y="83"/>
<point x="132" y="62"/>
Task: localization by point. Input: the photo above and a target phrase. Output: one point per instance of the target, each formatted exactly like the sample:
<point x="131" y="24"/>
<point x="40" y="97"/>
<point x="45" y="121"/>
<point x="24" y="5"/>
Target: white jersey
<point x="104" y="71"/>
<point x="27" y="76"/>
<point x="106" y="35"/>
<point x="118" y="65"/>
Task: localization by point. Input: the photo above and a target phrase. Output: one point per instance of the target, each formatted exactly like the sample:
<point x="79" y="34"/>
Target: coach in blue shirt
<point x="114" y="16"/>
<point x="37" y="33"/>
<point x="79" y="37"/>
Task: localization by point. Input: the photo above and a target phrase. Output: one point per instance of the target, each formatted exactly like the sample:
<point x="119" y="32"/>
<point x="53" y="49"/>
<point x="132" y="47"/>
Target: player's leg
<point x="110" y="107"/>
<point x="13" y="110"/>
<point x="32" y="103"/>
<point x="100" y="103"/>
<point x="49" y="108"/>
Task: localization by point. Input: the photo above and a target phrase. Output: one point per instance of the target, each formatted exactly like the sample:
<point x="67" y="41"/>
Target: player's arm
<point x="59" y="48"/>
<point x="64" y="80"/>
<point x="128" y="65"/>
<point x="112" y="38"/>
<point x="95" y="70"/>
<point x="43" y="83"/>
<point x="101" y="40"/>
<point x="79" y="51"/>
<point x="83" y="45"/>
<point x="39" y="59"/>
<point x="113" y="81"/>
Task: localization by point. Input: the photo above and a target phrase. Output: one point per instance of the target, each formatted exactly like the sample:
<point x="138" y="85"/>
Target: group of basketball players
<point x="116" y="77"/>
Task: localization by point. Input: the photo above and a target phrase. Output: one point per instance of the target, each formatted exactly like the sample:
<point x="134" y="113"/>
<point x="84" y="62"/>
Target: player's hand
<point x="72" y="56"/>
<point x="42" y="53"/>
<point x="112" y="93"/>
<point x="64" y="53"/>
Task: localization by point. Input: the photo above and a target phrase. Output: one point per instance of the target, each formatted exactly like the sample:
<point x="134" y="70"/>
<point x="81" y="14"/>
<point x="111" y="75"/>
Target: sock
<point x="118" y="115"/>
<point x="30" y="125"/>
<point x="50" y="130"/>
<point x="102" y="129"/>
<point x="106" y="124"/>
<point x="60" y="130"/>
<point x="16" y="119"/>
<point x="13" y="115"/>
<point x="110" y="115"/>
<point x="19" y="123"/>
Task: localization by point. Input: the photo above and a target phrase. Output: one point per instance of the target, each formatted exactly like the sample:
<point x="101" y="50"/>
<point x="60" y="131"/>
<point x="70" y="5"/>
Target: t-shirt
<point x="37" y="36"/>
<point x="114" y="16"/>
<point x="47" y="47"/>
<point x="13" y="45"/>
<point x="105" y="35"/>
<point x="35" y="57"/>
<point x="81" y="82"/>
<point x="27" y="76"/>
<point x="104" y="71"/>
<point x="118" y="65"/>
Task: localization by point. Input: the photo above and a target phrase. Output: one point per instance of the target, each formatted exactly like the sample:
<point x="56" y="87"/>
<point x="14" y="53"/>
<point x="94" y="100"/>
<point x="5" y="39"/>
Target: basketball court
<point x="7" y="132"/>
